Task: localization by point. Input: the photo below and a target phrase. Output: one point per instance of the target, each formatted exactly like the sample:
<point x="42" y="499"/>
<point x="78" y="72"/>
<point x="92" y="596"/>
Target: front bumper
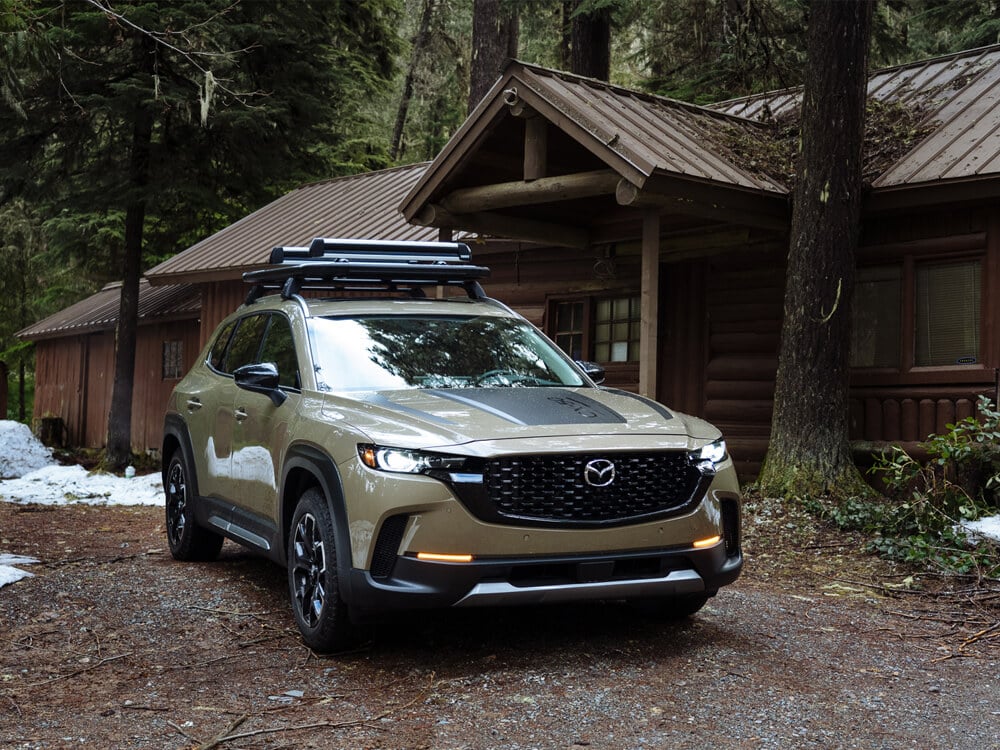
<point x="419" y="584"/>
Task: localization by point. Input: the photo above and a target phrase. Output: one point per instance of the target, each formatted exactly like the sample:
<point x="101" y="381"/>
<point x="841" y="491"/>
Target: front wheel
<point x="321" y="614"/>
<point x="188" y="541"/>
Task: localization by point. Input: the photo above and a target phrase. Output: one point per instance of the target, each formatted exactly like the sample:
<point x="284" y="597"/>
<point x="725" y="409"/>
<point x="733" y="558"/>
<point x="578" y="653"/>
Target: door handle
<point x="241" y="415"/>
<point x="193" y="404"/>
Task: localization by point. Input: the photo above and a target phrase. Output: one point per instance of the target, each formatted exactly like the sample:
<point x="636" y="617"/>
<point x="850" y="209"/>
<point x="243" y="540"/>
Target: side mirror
<point x="593" y="371"/>
<point x="261" y="377"/>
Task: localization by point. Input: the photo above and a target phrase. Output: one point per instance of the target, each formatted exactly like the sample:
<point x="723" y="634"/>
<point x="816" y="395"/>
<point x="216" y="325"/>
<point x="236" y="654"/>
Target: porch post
<point x="649" y="303"/>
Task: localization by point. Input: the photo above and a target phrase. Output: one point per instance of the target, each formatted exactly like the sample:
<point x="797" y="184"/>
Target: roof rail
<point x="355" y="265"/>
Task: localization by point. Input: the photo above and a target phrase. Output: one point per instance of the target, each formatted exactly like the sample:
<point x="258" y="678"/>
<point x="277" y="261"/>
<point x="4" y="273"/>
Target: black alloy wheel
<point x="186" y="539"/>
<point x="320" y="612"/>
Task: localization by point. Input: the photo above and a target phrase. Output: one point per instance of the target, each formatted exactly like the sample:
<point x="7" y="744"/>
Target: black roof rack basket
<point x="354" y="265"/>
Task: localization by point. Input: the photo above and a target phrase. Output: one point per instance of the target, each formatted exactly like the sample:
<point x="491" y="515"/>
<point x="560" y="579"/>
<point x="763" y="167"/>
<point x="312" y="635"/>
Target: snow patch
<point x="20" y="451"/>
<point x="60" y="485"/>
<point x="988" y="527"/>
<point x="10" y="574"/>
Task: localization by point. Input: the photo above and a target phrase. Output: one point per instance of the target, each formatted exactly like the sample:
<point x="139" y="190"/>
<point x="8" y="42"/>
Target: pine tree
<point x="138" y="128"/>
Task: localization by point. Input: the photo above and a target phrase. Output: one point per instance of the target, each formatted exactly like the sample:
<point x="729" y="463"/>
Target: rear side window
<point x="245" y="343"/>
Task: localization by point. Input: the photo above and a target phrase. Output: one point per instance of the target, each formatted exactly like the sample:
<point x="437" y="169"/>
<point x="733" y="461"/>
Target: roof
<point x="99" y="312"/>
<point x="361" y="206"/>
<point x="650" y="133"/>
<point x="959" y="95"/>
<point x="637" y="135"/>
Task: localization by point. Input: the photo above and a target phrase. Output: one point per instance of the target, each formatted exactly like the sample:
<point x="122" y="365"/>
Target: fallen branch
<point x="320" y="724"/>
<point x="220" y="737"/>
<point x="90" y="668"/>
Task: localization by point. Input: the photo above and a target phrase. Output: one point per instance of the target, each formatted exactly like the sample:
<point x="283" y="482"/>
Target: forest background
<point x="155" y="125"/>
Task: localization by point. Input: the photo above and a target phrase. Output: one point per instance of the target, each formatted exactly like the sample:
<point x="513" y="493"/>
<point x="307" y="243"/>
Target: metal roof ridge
<point x="635" y="93"/>
<point x="975" y="52"/>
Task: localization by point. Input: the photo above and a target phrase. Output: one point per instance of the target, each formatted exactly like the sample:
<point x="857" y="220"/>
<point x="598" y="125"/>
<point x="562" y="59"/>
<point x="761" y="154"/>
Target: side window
<point x="216" y="359"/>
<point x="947" y="314"/>
<point x="602" y="329"/>
<point x="876" y="315"/>
<point x="246" y="342"/>
<point x="279" y="348"/>
<point x="173" y="360"/>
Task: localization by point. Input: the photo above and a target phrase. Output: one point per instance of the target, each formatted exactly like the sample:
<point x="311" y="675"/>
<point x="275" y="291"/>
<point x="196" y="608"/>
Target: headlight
<point x="405" y="461"/>
<point x="715" y="453"/>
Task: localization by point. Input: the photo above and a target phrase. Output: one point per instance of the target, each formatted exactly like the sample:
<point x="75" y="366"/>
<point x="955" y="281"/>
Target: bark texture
<point x="590" y="44"/>
<point x="809" y="453"/>
<point x="495" y="32"/>
<point x="419" y="45"/>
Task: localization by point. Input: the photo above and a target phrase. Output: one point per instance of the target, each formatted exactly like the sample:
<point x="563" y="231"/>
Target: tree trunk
<point x="419" y="44"/>
<point x="495" y="31"/>
<point x="809" y="453"/>
<point x="3" y="389"/>
<point x="119" y="450"/>
<point x="590" y="44"/>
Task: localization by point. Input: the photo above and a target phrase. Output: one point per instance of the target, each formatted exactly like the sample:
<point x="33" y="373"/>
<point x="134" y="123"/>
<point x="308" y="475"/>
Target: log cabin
<point x="650" y="235"/>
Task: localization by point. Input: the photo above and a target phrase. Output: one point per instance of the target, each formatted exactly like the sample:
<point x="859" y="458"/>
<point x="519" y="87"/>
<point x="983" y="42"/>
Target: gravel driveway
<point x="113" y="645"/>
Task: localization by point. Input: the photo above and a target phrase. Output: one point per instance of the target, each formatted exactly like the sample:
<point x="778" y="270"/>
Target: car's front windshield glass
<point x="374" y="353"/>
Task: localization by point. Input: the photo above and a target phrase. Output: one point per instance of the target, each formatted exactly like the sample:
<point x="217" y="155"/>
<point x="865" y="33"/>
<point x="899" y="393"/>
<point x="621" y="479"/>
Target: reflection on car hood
<point x="447" y="417"/>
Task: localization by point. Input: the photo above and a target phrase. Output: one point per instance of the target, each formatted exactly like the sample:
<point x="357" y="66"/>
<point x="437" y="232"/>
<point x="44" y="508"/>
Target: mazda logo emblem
<point x="599" y="473"/>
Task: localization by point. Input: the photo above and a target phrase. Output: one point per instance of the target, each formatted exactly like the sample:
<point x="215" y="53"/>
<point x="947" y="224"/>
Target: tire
<point x="671" y="608"/>
<point x="188" y="541"/>
<point x="313" y="578"/>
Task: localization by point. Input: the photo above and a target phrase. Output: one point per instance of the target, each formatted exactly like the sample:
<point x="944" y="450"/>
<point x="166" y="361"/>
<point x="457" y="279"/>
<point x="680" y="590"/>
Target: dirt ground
<point x="112" y="644"/>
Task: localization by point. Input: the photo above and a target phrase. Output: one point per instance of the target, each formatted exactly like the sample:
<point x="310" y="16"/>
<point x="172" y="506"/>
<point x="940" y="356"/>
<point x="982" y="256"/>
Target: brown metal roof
<point x="360" y="206"/>
<point x="635" y="134"/>
<point x="651" y="133"/>
<point x="99" y="312"/>
<point x="960" y="94"/>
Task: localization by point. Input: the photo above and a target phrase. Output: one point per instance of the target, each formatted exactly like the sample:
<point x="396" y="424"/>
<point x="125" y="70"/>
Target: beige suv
<point x="407" y="450"/>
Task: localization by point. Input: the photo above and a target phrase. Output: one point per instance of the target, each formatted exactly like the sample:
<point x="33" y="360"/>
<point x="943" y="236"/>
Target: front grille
<point x="553" y="488"/>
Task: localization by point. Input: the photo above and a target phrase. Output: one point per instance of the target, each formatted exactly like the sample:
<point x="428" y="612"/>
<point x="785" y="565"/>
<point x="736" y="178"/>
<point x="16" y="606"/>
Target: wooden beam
<point x="510" y="227"/>
<point x="543" y="190"/>
<point x="649" y="304"/>
<point x="709" y="202"/>
<point x="536" y="148"/>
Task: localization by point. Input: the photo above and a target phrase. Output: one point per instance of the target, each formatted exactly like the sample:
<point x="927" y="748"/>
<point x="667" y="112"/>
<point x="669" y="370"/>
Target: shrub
<point x="920" y="518"/>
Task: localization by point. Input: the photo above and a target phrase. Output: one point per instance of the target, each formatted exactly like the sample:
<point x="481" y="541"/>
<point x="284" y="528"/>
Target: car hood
<point x="492" y="420"/>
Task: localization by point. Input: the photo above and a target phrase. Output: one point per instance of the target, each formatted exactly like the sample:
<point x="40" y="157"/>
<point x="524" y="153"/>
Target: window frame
<point x="589" y="324"/>
<point x="172" y="369"/>
<point x="907" y="371"/>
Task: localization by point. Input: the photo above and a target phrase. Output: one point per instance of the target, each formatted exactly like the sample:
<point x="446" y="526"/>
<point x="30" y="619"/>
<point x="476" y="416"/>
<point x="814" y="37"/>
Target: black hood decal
<point x="657" y="407"/>
<point x="535" y="407"/>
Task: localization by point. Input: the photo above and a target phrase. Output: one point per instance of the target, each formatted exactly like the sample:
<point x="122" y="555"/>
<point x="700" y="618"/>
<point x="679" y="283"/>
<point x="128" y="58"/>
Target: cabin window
<point x="616" y="336"/>
<point x="877" y="317"/>
<point x="173" y="360"/>
<point x="917" y="314"/>
<point x="947" y="314"/>
<point x="603" y="329"/>
<point x="570" y="328"/>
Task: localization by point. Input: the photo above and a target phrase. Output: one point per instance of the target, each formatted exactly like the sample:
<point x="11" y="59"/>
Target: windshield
<point x="388" y="353"/>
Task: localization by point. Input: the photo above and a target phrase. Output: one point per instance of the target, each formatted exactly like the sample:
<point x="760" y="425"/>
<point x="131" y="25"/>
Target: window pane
<point x="246" y="342"/>
<point x="173" y="360"/>
<point x="279" y="348"/>
<point x="219" y="348"/>
<point x="616" y="334"/>
<point x="947" y="314"/>
<point x="604" y="310"/>
<point x="876" y="317"/>
<point x="569" y="317"/>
